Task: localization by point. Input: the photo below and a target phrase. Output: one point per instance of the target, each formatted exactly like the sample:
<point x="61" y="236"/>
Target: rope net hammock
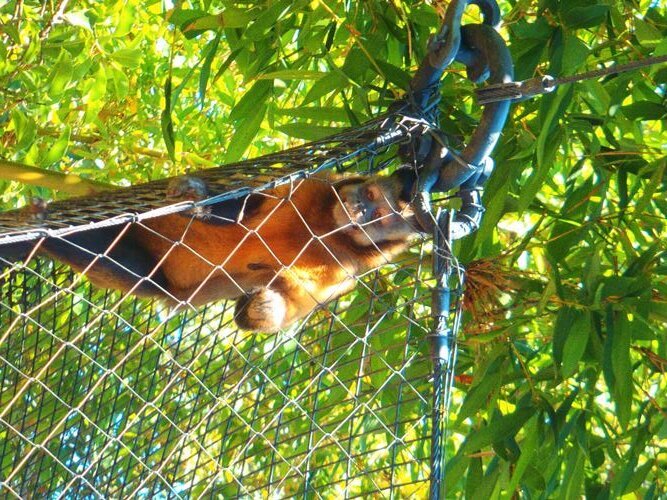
<point x="108" y="393"/>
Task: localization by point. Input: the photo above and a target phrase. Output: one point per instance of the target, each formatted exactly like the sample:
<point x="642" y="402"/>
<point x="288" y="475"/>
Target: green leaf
<point x="575" y="343"/>
<point x="394" y="74"/>
<point x="166" y="123"/>
<point x="529" y="447"/>
<point x="98" y="86"/>
<point x="119" y="81"/>
<point x="245" y="133"/>
<point x="499" y="428"/>
<point x="617" y="287"/>
<point x="644" y="110"/>
<point x="25" y="129"/>
<point x="317" y="113"/>
<point x="650" y="189"/>
<point x="307" y="131"/>
<point x="574" y="474"/>
<point x="617" y="367"/>
<point x="585" y="16"/>
<point x="267" y="20"/>
<point x="356" y="64"/>
<point x="129" y="58"/>
<point x="475" y="477"/>
<point x="638" y="477"/>
<point x="648" y="35"/>
<point x="180" y="17"/>
<point x="495" y="203"/>
<point x="548" y="141"/>
<point x="194" y="22"/>
<point x="479" y="395"/>
<point x="58" y="148"/>
<point x="549" y="116"/>
<point x="211" y="49"/>
<point x="291" y="74"/>
<point x="575" y="52"/>
<point x="229" y="18"/>
<point x="325" y="85"/>
<point x="225" y="65"/>
<point x="565" y="235"/>
<point x="622" y="367"/>
<point x="251" y="100"/>
<point x="565" y="319"/>
<point x="13" y="33"/>
<point x="61" y="75"/>
<point x="488" y="488"/>
<point x="569" y="230"/>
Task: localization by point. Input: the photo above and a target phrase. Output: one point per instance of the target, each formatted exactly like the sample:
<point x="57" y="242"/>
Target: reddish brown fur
<point x="290" y="245"/>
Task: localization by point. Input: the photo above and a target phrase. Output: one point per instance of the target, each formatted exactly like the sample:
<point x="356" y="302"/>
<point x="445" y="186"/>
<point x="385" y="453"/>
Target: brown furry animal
<point x="281" y="253"/>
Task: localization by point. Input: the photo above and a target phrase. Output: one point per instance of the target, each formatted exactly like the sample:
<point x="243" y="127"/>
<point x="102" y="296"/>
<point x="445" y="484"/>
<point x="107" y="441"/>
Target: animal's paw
<point x="35" y="210"/>
<point x="263" y="311"/>
<point x="191" y="189"/>
<point x="187" y="188"/>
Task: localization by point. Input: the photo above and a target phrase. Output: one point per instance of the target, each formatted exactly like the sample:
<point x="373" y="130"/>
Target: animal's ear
<point x="405" y="179"/>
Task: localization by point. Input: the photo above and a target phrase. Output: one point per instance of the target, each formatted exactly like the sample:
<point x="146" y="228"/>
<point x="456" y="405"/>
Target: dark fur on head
<point x="406" y="176"/>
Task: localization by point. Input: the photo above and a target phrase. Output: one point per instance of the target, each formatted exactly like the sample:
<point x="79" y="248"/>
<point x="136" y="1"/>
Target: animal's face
<point x="370" y="212"/>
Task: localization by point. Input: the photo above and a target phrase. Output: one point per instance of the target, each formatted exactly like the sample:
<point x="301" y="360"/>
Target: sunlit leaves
<point x="584" y="16"/>
<point x="166" y="120"/>
<point x="25" y="128"/>
<point x="193" y="22"/>
<point x="59" y="147"/>
<point x="130" y="58"/>
<point x="61" y="75"/>
<point x="248" y="126"/>
<point x="567" y="349"/>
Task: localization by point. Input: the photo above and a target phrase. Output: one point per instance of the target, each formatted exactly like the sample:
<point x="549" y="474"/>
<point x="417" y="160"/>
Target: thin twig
<point x="60" y="10"/>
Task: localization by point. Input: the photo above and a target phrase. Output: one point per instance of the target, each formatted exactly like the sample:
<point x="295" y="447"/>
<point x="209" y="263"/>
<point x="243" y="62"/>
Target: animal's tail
<point x="110" y="257"/>
<point x="14" y="252"/>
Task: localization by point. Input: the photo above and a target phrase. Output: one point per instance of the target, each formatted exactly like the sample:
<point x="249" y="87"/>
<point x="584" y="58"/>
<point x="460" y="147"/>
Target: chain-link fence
<point x="104" y="394"/>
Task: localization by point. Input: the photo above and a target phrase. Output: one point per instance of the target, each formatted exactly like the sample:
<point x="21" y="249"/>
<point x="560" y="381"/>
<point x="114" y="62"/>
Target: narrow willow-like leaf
<point x="211" y="51"/>
<point x="499" y="428"/>
<point x="291" y="74"/>
<point x="251" y="100"/>
<point x="245" y="133"/>
<point x="575" y="343"/>
<point x="166" y="122"/>
<point x="59" y="147"/>
<point x="308" y="132"/>
<point x="61" y="75"/>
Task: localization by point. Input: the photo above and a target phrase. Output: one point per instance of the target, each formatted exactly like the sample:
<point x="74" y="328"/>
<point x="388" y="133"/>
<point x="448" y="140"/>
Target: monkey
<point x="279" y="253"/>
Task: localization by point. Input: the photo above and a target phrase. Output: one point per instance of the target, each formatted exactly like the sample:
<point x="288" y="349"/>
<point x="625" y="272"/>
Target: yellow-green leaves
<point x="130" y="58"/>
<point x="25" y="128"/>
<point x="61" y="74"/>
<point x="59" y="147"/>
<point x="193" y="22"/>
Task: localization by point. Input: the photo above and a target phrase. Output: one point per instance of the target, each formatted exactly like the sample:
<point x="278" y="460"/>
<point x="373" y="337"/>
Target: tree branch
<point x="65" y="183"/>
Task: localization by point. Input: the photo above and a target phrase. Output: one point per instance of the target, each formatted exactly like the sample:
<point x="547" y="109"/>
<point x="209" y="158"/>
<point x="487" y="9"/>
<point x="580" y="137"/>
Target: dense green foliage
<point x="564" y="338"/>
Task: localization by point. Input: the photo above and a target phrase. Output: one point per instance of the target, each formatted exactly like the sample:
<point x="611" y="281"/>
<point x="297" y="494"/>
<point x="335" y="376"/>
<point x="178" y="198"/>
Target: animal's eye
<point x="370" y="193"/>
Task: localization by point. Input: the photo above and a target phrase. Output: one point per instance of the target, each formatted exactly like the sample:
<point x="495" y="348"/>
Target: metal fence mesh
<point x="103" y="394"/>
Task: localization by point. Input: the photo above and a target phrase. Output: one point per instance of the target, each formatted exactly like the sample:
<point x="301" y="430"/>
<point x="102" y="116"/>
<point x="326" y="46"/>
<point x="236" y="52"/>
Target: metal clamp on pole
<point x="443" y="344"/>
<point x="516" y="91"/>
<point x="441" y="169"/>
